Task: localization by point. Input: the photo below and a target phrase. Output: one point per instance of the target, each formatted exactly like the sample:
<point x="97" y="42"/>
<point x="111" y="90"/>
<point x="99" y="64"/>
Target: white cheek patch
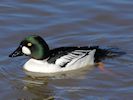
<point x="26" y="50"/>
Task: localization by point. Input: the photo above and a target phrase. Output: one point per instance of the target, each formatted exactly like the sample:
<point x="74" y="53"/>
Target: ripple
<point x="67" y="23"/>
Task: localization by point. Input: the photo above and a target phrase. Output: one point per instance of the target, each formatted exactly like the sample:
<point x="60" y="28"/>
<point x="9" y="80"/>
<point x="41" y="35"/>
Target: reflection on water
<point x="38" y="87"/>
<point x="67" y="23"/>
<point x="39" y="84"/>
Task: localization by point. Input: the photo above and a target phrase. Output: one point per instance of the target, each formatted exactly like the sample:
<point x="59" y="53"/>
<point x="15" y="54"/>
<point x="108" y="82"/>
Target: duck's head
<point x="33" y="46"/>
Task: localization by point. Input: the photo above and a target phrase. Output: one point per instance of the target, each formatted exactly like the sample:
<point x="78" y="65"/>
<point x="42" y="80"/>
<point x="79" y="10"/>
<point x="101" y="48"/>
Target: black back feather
<point x="99" y="55"/>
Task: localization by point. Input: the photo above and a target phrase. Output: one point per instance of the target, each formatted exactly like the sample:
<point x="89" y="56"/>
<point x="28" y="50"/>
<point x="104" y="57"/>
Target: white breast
<point x="40" y="66"/>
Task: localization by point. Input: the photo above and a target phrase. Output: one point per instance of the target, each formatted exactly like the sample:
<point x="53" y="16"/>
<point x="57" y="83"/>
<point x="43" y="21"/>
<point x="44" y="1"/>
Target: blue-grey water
<point x="107" y="23"/>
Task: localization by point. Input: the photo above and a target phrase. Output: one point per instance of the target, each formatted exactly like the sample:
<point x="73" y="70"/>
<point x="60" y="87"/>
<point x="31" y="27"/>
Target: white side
<point x="42" y="66"/>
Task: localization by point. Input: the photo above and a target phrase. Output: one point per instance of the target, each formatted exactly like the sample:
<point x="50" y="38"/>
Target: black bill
<point x="17" y="52"/>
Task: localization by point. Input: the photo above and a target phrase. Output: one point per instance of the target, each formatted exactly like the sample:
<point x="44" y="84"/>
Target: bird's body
<point x="44" y="60"/>
<point x="57" y="63"/>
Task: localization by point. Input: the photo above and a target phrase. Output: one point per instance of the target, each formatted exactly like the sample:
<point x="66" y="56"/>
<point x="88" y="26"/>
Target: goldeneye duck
<point x="44" y="60"/>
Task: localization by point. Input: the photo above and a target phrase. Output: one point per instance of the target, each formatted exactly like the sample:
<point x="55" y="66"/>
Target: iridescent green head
<point x="33" y="46"/>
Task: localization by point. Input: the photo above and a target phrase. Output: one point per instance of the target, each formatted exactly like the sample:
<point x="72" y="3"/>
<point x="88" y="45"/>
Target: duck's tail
<point x="106" y="53"/>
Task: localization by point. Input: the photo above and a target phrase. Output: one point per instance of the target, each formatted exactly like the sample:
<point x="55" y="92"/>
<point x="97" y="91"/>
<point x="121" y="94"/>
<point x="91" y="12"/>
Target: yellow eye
<point x="29" y="44"/>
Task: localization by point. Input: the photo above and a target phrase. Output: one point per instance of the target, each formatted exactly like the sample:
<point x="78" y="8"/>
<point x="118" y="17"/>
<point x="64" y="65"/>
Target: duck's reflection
<point x="38" y="87"/>
<point x="42" y="85"/>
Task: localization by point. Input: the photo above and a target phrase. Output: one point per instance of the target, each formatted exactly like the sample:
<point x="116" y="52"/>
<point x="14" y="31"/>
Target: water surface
<point x="67" y="23"/>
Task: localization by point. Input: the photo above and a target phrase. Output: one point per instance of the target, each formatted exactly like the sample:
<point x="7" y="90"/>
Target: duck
<point x="46" y="60"/>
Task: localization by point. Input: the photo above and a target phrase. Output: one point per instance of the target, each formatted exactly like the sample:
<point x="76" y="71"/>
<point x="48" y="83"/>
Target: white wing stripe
<point x="83" y="50"/>
<point x="77" y="54"/>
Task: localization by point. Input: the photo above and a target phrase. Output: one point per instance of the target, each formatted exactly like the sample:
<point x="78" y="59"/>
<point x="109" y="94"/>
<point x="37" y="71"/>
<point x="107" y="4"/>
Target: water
<point x="67" y="23"/>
